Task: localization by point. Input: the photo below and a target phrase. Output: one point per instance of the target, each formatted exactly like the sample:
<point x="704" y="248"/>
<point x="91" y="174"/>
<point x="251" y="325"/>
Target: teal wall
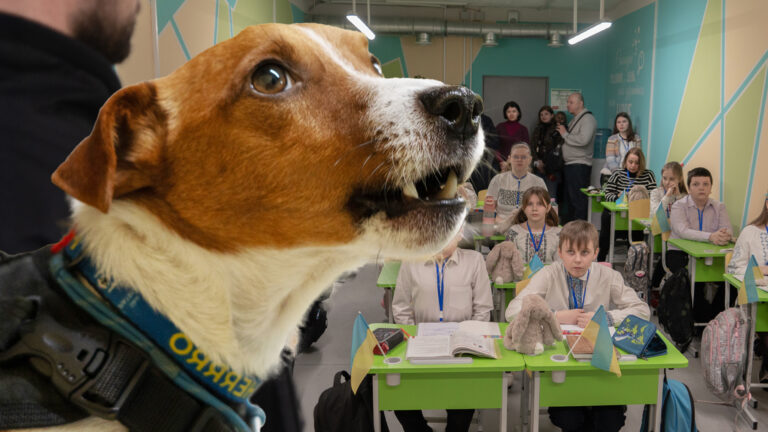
<point x="629" y="44"/>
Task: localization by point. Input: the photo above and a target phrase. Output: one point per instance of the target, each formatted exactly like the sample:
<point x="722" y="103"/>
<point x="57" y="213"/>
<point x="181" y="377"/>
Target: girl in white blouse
<point x="753" y="240"/>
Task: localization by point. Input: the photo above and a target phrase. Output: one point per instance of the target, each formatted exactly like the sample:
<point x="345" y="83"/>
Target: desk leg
<point x="535" y="401"/>
<point x="504" y="392"/>
<point x="692" y="275"/>
<point x="650" y="265"/>
<point x="376" y="412"/>
<point x="659" y="401"/>
<point x="388" y="302"/>
<point x="589" y="210"/>
<point x="613" y="237"/>
<point x="525" y="398"/>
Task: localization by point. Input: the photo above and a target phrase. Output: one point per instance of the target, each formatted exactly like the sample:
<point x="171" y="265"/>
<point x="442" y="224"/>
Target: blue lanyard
<point x="440" y="286"/>
<point x="701" y="219"/>
<point x="631" y="181"/>
<point x="573" y="291"/>
<point x="624" y="144"/>
<point x="533" y="241"/>
<point x="517" y="201"/>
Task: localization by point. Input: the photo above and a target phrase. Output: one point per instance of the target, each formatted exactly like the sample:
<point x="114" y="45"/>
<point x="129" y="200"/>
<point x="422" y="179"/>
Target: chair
<point x="637" y="209"/>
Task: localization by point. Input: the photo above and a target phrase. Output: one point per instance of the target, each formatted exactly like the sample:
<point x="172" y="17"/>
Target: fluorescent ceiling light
<point x="357" y="22"/>
<point x="589" y="31"/>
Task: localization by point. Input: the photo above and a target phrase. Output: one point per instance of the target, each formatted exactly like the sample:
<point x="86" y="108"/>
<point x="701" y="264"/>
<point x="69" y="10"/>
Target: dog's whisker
<point x="368" y="158"/>
<point x="348" y="151"/>
<point x="374" y="171"/>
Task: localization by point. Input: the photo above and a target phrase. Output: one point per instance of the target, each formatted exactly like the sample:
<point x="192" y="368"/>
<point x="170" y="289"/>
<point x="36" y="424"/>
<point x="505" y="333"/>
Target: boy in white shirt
<point x="575" y="289"/>
<point x="452" y="287"/>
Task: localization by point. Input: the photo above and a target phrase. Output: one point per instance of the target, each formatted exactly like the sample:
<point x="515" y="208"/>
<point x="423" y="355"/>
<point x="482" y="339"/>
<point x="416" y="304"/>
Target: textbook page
<point x="480" y="328"/>
<point x="437" y="329"/>
<point x="463" y="343"/>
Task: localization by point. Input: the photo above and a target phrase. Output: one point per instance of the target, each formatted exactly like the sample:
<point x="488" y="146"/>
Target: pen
<point x="406" y="333"/>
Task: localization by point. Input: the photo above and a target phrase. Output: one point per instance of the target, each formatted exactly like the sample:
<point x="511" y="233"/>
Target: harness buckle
<point x="72" y="359"/>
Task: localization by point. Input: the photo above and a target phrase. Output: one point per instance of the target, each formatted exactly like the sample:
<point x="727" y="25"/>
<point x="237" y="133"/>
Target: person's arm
<point x="402" y="302"/>
<point x="612" y="189"/>
<point x="583" y="133"/>
<point x="723" y="221"/>
<point x="626" y="301"/>
<point x="524" y="135"/>
<point x="740" y="258"/>
<point x="493" y="187"/>
<point x="482" y="298"/>
<point x="538" y="285"/>
<point x="612" y="161"/>
<point x="679" y="222"/>
<point x="651" y="181"/>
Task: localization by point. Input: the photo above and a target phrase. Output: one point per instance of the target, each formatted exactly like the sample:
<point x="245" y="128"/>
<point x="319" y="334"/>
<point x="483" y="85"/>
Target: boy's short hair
<point x="578" y="233"/>
<point x="698" y="172"/>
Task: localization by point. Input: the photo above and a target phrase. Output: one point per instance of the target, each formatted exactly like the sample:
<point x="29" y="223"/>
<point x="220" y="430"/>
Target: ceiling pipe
<point x="435" y="27"/>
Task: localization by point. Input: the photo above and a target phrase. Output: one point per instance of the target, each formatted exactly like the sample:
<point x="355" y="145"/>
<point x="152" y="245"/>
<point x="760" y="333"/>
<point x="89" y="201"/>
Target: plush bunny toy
<point x="504" y="263"/>
<point x="534" y="327"/>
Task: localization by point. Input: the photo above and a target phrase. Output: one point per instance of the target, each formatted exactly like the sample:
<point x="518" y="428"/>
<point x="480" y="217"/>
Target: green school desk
<point x="594" y="203"/>
<point x="479" y="239"/>
<point x="706" y="263"/>
<point x="758" y="315"/>
<point x="387" y="279"/>
<point x="618" y="223"/>
<point x="481" y="384"/>
<point x="641" y="382"/>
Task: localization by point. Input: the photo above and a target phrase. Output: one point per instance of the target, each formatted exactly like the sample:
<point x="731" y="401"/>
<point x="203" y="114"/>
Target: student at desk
<point x="574" y="291"/>
<point x="632" y="173"/>
<point x="672" y="189"/>
<point x="753" y="240"/>
<point x="698" y="217"/>
<point x="535" y="230"/>
<point x="508" y="187"/>
<point x="453" y="287"/>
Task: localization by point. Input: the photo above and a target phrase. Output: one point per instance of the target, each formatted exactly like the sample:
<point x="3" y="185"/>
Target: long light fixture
<point x="358" y="23"/>
<point x="589" y="31"/>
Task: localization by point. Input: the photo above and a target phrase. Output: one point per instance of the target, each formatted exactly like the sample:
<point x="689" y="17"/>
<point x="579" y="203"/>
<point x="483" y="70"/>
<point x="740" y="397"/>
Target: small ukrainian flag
<point x="748" y="291"/>
<point x="361" y="356"/>
<point x="660" y="223"/>
<point x="597" y="333"/>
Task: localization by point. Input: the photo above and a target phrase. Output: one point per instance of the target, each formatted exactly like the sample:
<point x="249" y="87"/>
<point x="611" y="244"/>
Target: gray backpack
<point x="724" y="354"/>
<point x="636" y="268"/>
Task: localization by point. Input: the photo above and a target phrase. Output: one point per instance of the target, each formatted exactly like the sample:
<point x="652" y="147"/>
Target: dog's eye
<point x="271" y="79"/>
<point x="377" y="65"/>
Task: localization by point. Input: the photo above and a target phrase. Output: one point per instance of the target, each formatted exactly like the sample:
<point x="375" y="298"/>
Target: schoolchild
<point x="451" y="287"/>
<point x="534" y="228"/>
<point x="575" y="289"/>
<point x="506" y="189"/>
<point x="672" y="189"/>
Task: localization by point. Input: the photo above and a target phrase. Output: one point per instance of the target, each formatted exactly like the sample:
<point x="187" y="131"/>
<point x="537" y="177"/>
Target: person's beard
<point x="98" y="28"/>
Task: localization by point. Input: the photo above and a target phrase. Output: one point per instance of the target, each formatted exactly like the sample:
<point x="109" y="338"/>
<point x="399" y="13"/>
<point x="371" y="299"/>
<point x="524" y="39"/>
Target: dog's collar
<point x="186" y="357"/>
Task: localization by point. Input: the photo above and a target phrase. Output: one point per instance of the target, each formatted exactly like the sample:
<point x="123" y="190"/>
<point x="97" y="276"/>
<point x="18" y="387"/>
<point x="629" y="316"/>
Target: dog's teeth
<point x="410" y="191"/>
<point x="449" y="190"/>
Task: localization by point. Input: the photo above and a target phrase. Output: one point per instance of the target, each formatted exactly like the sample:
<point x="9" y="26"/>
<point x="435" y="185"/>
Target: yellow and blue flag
<point x="622" y="199"/>
<point x="748" y="291"/>
<point x="660" y="223"/>
<point x="597" y="333"/>
<point x="361" y="356"/>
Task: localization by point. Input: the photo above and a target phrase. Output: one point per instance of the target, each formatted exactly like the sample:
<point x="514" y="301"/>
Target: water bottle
<point x="489" y="216"/>
<point x="553" y="203"/>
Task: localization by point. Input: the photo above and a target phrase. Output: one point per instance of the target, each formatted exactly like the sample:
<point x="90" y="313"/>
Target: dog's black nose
<point x="457" y="105"/>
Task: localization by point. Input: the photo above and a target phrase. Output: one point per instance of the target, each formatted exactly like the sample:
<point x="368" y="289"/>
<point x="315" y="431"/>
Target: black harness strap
<point x="65" y="375"/>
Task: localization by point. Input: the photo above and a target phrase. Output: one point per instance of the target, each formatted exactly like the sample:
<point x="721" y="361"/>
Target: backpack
<point x="724" y="353"/>
<point x="678" y="413"/>
<point x="340" y="410"/>
<point x="675" y="310"/>
<point x="636" y="268"/>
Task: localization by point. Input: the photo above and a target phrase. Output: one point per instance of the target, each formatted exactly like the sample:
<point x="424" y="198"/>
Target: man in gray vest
<point x="577" y="154"/>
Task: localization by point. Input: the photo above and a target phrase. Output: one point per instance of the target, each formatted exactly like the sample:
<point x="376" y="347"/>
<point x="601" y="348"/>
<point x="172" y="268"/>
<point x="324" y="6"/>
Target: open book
<point x="438" y="343"/>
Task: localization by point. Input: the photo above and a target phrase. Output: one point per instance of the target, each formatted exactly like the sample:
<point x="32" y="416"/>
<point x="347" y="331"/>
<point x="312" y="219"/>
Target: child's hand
<point x="584" y="318"/>
<point x="568" y="316"/>
<point x="671" y="191"/>
<point x="720" y="237"/>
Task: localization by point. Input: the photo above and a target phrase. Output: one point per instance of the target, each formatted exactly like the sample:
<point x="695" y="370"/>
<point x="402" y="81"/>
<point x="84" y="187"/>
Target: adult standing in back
<point x="510" y="133"/>
<point x="578" y="147"/>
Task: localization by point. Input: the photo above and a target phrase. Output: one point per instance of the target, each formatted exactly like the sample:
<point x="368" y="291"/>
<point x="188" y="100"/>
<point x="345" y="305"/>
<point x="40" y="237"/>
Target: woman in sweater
<point x="633" y="173"/>
<point x="510" y="133"/>
<point x="623" y="139"/>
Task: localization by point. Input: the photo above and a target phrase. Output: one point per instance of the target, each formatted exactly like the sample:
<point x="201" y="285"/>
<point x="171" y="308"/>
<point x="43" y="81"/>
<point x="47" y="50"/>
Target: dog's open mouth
<point x="437" y="189"/>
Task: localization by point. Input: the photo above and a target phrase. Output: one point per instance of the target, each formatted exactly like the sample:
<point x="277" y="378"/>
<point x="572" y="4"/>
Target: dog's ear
<point x="113" y="160"/>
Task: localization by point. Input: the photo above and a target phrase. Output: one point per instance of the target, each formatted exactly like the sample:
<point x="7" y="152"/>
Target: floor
<point x="314" y="370"/>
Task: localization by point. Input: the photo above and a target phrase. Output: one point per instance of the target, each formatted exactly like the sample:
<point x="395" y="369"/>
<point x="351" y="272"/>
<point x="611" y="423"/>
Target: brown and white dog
<point x="232" y="192"/>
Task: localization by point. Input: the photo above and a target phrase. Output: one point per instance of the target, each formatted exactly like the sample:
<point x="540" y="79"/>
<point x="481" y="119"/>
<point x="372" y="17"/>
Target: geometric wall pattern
<point x="721" y="119"/>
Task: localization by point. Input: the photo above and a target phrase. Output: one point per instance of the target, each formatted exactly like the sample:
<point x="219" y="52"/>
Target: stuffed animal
<point x="504" y="263"/>
<point x="638" y="192"/>
<point x="534" y="327"/>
